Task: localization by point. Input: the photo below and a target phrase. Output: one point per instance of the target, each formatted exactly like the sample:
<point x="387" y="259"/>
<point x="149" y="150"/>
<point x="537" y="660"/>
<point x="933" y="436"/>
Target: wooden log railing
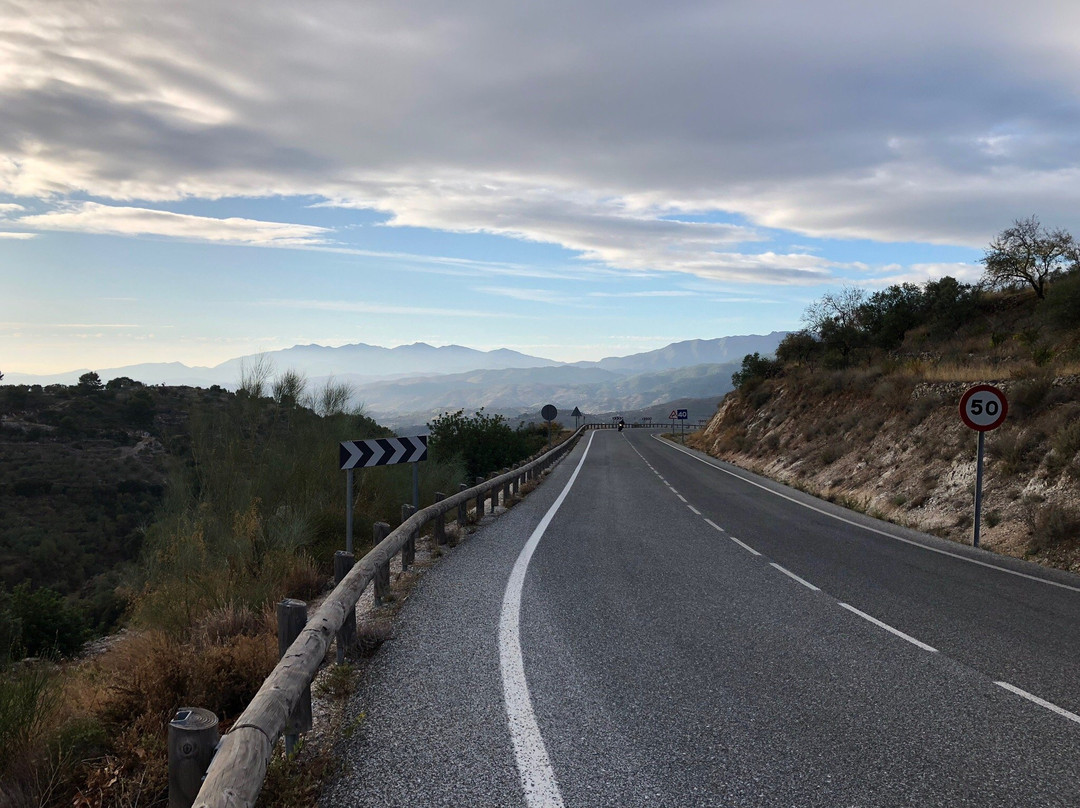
<point x="237" y="771"/>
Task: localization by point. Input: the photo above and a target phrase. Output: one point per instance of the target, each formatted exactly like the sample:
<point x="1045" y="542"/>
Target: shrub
<point x="755" y="369"/>
<point x="482" y="443"/>
<point x="1054" y="525"/>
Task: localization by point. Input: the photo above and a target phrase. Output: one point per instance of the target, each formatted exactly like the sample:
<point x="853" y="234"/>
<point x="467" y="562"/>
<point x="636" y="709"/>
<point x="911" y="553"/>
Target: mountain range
<point x="412" y="383"/>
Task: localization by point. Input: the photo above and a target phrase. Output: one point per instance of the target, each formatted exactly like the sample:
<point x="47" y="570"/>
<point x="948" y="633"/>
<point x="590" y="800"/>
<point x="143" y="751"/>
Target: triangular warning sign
<point x="673" y="415"/>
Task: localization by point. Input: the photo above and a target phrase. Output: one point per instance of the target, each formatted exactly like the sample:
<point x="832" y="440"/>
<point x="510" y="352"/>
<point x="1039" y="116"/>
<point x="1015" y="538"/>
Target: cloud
<point x="359" y="307"/>
<point x="91" y="217"/>
<point x="4" y="234"/>
<point x="583" y="125"/>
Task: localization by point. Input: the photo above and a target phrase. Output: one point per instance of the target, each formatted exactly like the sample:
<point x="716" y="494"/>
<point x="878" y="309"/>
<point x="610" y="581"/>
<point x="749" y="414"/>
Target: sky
<point x="191" y="180"/>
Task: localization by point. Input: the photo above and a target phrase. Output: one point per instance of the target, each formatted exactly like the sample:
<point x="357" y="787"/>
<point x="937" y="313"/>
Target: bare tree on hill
<point x="1029" y="254"/>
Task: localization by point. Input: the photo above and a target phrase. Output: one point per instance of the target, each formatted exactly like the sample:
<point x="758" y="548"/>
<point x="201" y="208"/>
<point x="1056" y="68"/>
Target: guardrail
<point x="236" y="773"/>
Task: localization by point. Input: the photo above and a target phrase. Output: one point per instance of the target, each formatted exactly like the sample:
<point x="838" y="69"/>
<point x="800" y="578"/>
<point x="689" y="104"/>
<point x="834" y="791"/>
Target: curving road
<point x="687" y="634"/>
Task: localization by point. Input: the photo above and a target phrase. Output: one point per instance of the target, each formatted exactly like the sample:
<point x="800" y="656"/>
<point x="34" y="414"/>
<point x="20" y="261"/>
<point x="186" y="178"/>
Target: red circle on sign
<point x="983" y="407"/>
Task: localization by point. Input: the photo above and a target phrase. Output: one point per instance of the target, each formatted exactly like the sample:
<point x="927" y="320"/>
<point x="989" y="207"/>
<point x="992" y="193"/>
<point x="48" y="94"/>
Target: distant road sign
<point x="382" y="452"/>
<point x="575" y="414"/>
<point x="983" y="407"/>
<point x="682" y="415"/>
<point x="673" y="415"/>
<point x="549" y="412"/>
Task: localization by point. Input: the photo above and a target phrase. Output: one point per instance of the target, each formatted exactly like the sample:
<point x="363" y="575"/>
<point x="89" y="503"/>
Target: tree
<point x="755" y="368"/>
<point x="90" y="381"/>
<point x="837" y="320"/>
<point x="1028" y="253"/>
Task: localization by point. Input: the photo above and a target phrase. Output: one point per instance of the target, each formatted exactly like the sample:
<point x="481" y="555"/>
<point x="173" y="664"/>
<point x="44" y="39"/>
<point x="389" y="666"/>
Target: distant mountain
<point x="692" y="352"/>
<point x="515" y="391"/>
<point x="412" y="383"/>
<point x="358" y="361"/>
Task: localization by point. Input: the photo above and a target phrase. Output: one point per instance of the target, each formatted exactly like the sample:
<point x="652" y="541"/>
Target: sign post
<point x="548" y="413"/>
<point x="982" y="408"/>
<point x="379" y="452"/>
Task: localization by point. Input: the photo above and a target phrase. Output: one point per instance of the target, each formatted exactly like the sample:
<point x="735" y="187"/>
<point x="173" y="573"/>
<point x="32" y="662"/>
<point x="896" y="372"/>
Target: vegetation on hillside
<point x="860" y="406"/>
<point x="482" y="443"/>
<point x="249" y="509"/>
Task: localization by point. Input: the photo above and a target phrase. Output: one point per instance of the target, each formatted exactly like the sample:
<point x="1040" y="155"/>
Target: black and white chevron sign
<point x="382" y="452"/>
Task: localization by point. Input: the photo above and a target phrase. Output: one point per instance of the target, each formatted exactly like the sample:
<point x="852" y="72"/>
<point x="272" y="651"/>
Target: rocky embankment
<point x="893" y="446"/>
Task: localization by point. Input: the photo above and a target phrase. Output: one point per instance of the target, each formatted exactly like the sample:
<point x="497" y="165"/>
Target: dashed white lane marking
<point x="743" y="545"/>
<point x="884" y="533"/>
<point x="1040" y="702"/>
<point x="794" y="577"/>
<point x="695" y="510"/>
<point x="889" y="628"/>
<point x="534" y="765"/>
<point x="680" y="496"/>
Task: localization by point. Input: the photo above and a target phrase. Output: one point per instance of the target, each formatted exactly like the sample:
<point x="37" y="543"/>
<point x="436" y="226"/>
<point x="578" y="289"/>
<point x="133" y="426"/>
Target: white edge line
<point x="680" y="496"/>
<point x="794" y="577"/>
<point x="711" y="522"/>
<point x="534" y="766"/>
<point x="1040" y="702"/>
<point x="884" y="533"/>
<point x="889" y="628"/>
<point x="695" y="510"/>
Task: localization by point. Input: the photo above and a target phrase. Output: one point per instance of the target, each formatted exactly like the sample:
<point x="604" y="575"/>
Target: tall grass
<point x="262" y="505"/>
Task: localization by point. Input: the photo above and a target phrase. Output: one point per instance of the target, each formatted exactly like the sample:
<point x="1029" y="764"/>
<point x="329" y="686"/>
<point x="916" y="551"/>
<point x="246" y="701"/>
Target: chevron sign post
<point x="355" y="454"/>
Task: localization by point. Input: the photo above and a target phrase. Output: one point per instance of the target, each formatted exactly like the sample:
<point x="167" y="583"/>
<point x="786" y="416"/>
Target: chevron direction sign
<point x="382" y="452"/>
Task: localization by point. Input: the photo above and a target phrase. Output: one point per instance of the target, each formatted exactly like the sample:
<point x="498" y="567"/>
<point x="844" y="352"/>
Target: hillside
<point x="883" y="435"/>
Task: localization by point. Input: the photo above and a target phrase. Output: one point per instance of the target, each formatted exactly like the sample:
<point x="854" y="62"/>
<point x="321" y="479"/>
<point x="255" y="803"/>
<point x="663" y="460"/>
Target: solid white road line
<point x="884" y="533"/>
<point x="794" y="577"/>
<point x="1040" y="702"/>
<point x="889" y="628"/>
<point x="534" y="766"/>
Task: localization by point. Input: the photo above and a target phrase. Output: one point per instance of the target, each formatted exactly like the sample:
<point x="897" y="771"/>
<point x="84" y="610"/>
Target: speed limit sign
<point x="983" y="407"/>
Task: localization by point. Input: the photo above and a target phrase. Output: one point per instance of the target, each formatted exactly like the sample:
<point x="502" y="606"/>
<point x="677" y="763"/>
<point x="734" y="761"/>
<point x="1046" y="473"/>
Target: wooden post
<point x="480" y="500"/>
<point x="408" y="550"/>
<point x="346" y="635"/>
<point x="494" y="498"/>
<point x="291" y="619"/>
<point x="462" y="513"/>
<point x="193" y="735"/>
<point x="506" y="490"/>
<point x="438" y="537"/>
<point x="379" y="531"/>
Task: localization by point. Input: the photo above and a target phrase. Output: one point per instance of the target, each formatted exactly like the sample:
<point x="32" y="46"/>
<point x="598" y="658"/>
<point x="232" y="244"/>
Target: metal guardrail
<point x="238" y="770"/>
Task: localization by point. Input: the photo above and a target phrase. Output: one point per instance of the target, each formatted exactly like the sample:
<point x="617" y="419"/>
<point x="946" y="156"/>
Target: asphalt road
<point x="692" y="635"/>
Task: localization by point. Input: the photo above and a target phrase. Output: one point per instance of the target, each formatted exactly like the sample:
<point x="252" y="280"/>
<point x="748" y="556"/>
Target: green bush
<point x="482" y="443"/>
<point x="755" y="369"/>
<point x="38" y="623"/>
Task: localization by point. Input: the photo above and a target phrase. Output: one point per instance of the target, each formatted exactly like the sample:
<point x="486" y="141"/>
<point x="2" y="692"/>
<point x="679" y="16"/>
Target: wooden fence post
<point x="291" y="619"/>
<point x="438" y="537"/>
<point x="462" y="513"/>
<point x="408" y="549"/>
<point x="379" y="531"/>
<point x="193" y="735"/>
<point x="346" y="635"/>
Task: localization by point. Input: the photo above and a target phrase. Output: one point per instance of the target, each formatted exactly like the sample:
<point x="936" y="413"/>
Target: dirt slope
<point x="892" y="445"/>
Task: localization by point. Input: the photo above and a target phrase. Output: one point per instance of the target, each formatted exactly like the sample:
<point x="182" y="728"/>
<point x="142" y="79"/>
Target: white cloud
<point x="358" y="307"/>
<point x="582" y="125"/>
<point x="21" y="236"/>
<point x="91" y="217"/>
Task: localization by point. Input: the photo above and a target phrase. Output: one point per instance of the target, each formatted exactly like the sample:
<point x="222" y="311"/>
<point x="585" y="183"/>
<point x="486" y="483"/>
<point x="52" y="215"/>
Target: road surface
<point x="687" y="634"/>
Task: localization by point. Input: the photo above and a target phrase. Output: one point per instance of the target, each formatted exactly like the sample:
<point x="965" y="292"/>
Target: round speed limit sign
<point x="983" y="407"/>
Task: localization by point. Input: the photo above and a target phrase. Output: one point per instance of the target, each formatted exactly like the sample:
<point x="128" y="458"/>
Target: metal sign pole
<point x="416" y="485"/>
<point x="978" y="489"/>
<point x="348" y="509"/>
